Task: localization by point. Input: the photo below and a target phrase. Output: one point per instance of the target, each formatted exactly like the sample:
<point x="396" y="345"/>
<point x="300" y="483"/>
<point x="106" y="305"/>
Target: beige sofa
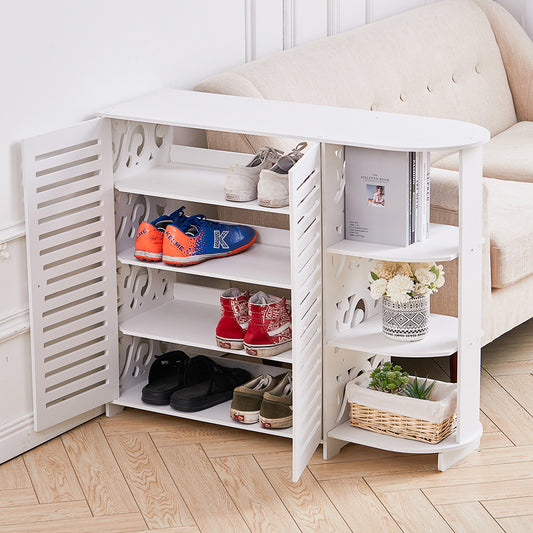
<point x="461" y="59"/>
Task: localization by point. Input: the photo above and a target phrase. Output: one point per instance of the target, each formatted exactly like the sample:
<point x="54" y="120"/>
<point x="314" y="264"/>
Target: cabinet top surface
<point x="274" y="118"/>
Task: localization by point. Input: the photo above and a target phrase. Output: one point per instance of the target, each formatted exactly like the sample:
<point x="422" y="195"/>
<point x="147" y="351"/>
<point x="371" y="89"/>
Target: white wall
<point x="62" y="60"/>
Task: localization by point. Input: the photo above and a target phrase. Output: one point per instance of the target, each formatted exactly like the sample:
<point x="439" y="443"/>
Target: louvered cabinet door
<point x="68" y="191"/>
<point x="306" y="273"/>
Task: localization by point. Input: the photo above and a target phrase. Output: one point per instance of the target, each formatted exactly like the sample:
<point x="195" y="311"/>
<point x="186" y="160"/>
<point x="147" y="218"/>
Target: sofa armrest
<point x="445" y="210"/>
<point x="516" y="49"/>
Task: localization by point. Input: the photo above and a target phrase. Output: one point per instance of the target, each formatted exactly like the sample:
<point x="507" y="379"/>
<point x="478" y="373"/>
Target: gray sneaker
<point x="273" y="184"/>
<point x="241" y="180"/>
<point x="276" y="407"/>
<point x="248" y="397"/>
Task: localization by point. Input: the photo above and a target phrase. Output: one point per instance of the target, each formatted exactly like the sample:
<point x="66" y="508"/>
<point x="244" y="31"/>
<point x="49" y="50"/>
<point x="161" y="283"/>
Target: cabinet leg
<point x="111" y="409"/>
<point x="448" y="459"/>
<point x="331" y="447"/>
<point x="453" y="367"/>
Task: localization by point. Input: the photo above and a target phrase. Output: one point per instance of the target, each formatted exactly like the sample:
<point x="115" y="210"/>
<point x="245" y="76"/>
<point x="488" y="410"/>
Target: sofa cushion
<point x="511" y="230"/>
<point x="507" y="156"/>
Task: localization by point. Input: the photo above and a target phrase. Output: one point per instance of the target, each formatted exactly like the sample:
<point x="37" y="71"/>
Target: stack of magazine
<point x="386" y="196"/>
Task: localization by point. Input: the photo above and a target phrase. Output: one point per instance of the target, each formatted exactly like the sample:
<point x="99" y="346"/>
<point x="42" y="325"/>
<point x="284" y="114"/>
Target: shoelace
<point x="286" y="162"/>
<point x="191" y="225"/>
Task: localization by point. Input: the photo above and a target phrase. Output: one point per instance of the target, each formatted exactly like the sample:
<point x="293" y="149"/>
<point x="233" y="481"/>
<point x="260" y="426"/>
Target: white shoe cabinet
<point x="99" y="315"/>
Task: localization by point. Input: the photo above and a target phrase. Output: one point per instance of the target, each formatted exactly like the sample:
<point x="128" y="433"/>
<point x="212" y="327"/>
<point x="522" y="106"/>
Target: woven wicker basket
<point x="400" y="425"/>
<point x="400" y="416"/>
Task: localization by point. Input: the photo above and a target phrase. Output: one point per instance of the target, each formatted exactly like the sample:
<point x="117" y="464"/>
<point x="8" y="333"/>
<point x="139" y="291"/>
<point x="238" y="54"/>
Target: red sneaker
<point x="234" y="320"/>
<point x="269" y="326"/>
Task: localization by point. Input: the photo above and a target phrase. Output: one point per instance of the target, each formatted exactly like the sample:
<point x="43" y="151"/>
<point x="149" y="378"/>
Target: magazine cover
<point x="378" y="196"/>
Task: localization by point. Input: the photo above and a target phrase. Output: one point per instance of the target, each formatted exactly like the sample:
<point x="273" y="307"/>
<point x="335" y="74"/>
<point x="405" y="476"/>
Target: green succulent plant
<point x="389" y="378"/>
<point x="416" y="389"/>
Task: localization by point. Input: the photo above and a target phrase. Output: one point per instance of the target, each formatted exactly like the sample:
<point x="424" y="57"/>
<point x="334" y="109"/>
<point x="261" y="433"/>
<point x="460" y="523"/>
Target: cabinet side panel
<point x="306" y="271"/>
<point x="68" y="190"/>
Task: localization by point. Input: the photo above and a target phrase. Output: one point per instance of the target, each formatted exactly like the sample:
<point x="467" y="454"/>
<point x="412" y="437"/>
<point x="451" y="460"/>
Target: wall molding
<point x="289" y="24"/>
<point x="12" y="231"/>
<point x="18" y="436"/>
<point x="14" y="324"/>
<point x="334" y="17"/>
<point x="250" y="21"/>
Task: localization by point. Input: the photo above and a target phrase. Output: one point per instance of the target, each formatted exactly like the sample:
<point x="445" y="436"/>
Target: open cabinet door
<point x="68" y="191"/>
<point x="306" y="274"/>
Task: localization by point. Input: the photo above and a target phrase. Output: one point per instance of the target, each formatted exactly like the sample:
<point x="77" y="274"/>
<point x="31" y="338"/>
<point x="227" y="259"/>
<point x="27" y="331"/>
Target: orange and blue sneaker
<point x="198" y="239"/>
<point x="149" y="238"/>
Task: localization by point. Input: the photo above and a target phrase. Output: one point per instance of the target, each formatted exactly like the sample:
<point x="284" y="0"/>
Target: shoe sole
<point x="274" y="202"/>
<point x="195" y="259"/>
<point x="240" y="196"/>
<point x="245" y="417"/>
<point x="229" y="344"/>
<point x="190" y="405"/>
<point x="267" y="350"/>
<point x="148" y="256"/>
<point x="276" y="423"/>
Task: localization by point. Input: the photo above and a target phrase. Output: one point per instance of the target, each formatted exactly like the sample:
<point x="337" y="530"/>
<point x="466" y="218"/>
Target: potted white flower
<point x="405" y="288"/>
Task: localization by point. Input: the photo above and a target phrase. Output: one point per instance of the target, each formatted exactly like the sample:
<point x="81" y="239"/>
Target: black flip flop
<point x="207" y="384"/>
<point x="166" y="376"/>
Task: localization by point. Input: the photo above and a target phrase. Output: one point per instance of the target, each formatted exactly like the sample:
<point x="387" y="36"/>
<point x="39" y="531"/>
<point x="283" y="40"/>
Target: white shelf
<point x="261" y="264"/>
<point x="188" y="183"/>
<point x="349" y="433"/>
<point x="442" y="245"/>
<point x="184" y="322"/>
<point x="218" y="414"/>
<point x="273" y="118"/>
<point x="367" y="337"/>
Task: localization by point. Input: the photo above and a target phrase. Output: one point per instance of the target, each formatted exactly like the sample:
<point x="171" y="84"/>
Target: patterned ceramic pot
<point x="407" y="321"/>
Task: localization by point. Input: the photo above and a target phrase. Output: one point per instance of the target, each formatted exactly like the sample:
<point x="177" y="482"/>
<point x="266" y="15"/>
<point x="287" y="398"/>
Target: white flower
<point x="424" y="276"/>
<point x="440" y="278"/>
<point x="420" y="289"/>
<point x="399" y="288"/>
<point x="385" y="269"/>
<point x="378" y="288"/>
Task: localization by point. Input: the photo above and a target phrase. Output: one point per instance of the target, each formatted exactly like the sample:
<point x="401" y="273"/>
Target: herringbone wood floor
<point x="138" y="472"/>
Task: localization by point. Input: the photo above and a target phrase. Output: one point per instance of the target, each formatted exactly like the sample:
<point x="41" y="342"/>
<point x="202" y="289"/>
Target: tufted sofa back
<point x="440" y="60"/>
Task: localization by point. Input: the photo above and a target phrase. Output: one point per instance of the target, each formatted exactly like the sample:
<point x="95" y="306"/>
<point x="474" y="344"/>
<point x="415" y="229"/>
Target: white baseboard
<point x="18" y="436"/>
<point x="13" y="324"/>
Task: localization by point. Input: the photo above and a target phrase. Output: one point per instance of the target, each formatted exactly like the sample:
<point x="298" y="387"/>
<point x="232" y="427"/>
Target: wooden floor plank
<point x="181" y="529"/>
<point x="13" y="475"/>
<point x="123" y="523"/>
<point x="102" y="482"/>
<point x="452" y="477"/>
<point x="17" y="497"/>
<point x="468" y="517"/>
<point x="253" y="495"/>
<point x="252" y="443"/>
<point x="309" y="506"/>
<point x="154" y="491"/>
<point x="51" y="473"/>
<point x="413" y="512"/>
<point x="516" y="524"/>
<point x="401" y="464"/>
<point x="45" y="512"/>
<point x="509" y="507"/>
<point x="519" y="386"/>
<point x="494" y="456"/>
<point x="472" y="492"/>
<point x="208" y="501"/>
<point x="494" y="440"/>
<point x="359" y="506"/>
<point x="505" y="411"/>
